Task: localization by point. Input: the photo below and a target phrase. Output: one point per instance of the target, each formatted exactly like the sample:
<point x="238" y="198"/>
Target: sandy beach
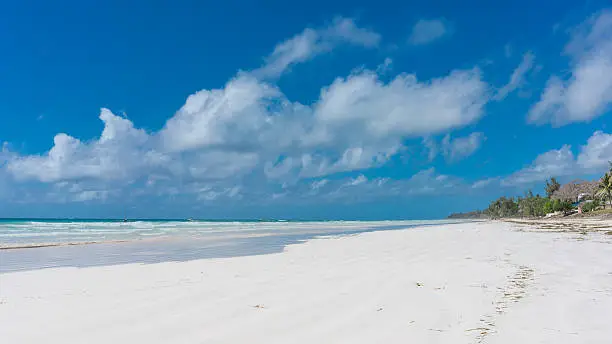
<point x="487" y="282"/>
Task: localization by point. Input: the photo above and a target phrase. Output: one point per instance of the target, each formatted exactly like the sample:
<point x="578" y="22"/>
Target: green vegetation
<point x="587" y="196"/>
<point x="527" y="206"/>
<point x="503" y="207"/>
<point x="530" y="206"/>
<point x="478" y="214"/>
<point x="590" y="206"/>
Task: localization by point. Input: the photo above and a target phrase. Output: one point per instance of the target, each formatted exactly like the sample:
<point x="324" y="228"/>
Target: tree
<point x="549" y="206"/>
<point x="605" y="187"/>
<point x="531" y="205"/>
<point x="552" y="186"/>
<point x="590" y="206"/>
<point x="503" y="207"/>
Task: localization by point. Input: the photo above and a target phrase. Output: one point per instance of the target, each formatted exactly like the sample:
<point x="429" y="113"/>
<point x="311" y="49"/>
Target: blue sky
<point x="328" y="110"/>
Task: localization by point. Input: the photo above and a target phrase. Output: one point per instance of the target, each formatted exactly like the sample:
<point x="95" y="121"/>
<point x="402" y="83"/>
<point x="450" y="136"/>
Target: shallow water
<point x="159" y="241"/>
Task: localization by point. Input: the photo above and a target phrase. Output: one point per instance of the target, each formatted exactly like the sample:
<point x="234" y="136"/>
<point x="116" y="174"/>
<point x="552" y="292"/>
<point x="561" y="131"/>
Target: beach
<point x="477" y="282"/>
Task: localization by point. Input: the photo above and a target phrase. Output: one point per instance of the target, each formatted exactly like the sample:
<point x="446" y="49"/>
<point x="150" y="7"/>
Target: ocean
<point x="27" y="244"/>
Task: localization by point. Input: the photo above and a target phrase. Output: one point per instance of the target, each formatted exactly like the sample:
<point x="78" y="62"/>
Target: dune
<point x="486" y="282"/>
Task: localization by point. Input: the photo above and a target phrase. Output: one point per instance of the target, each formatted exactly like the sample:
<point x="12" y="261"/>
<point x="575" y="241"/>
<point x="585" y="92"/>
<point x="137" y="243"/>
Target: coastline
<point x="25" y="233"/>
<point x="482" y="282"/>
<point x="184" y="242"/>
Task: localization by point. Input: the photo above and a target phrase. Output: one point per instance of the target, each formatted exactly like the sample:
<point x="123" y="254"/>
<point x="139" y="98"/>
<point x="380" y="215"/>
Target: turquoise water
<point x="33" y="232"/>
<point x="150" y="241"/>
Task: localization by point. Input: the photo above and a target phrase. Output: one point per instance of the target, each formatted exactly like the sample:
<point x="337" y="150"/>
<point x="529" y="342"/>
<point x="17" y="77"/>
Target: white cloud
<point x="248" y="129"/>
<point x="222" y="117"/>
<point x="554" y="163"/>
<point x="426" y="31"/>
<point x="385" y="66"/>
<point x="360" y="179"/>
<point x="90" y="195"/>
<point x="311" y="42"/>
<point x="364" y="120"/>
<point x="216" y="164"/>
<point x="424" y="182"/>
<point x="344" y="29"/>
<point x="461" y="147"/>
<point x="317" y="184"/>
<point x="359" y="121"/>
<point x="431" y="147"/>
<point x="114" y="155"/>
<point x="517" y="78"/>
<point x="592" y="159"/>
<point x="404" y="106"/>
<point x="479" y="184"/>
<point x="211" y="193"/>
<point x="587" y="93"/>
<point x="597" y="153"/>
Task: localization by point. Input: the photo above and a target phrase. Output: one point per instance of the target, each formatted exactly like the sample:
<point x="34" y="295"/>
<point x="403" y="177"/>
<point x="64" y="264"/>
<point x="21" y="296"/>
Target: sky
<point x="328" y="110"/>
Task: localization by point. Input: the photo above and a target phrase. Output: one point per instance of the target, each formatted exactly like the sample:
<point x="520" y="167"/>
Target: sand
<point x="488" y="282"/>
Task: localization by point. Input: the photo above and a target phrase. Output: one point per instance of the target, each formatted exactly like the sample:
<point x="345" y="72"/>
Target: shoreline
<point x="481" y="282"/>
<point x="169" y="248"/>
<point x="42" y="233"/>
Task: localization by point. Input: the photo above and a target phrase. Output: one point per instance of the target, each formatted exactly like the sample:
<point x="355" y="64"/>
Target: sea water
<point x="33" y="244"/>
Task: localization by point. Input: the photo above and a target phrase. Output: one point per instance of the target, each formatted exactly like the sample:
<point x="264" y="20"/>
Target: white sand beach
<point x="482" y="282"/>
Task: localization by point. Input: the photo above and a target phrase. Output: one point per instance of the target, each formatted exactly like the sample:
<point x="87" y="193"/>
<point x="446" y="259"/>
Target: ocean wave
<point x="40" y="231"/>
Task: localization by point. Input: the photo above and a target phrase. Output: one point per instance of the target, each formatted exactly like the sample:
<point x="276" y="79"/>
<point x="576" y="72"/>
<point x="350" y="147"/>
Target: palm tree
<point x="604" y="189"/>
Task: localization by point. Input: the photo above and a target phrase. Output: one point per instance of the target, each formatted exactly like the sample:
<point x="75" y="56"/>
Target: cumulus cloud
<point x="312" y="42"/>
<point x="236" y="116"/>
<point x="117" y="152"/>
<point x="592" y="159"/>
<point x="359" y="121"/>
<point x="587" y="92"/>
<point x="403" y="106"/>
<point x="249" y="129"/>
<point x="377" y="116"/>
<point x="597" y="153"/>
<point x="461" y="147"/>
<point x="426" y="31"/>
<point x="558" y="162"/>
<point x="517" y="78"/>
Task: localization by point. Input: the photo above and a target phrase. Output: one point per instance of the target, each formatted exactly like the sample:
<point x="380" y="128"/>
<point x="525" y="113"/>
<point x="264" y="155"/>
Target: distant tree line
<point x="477" y="214"/>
